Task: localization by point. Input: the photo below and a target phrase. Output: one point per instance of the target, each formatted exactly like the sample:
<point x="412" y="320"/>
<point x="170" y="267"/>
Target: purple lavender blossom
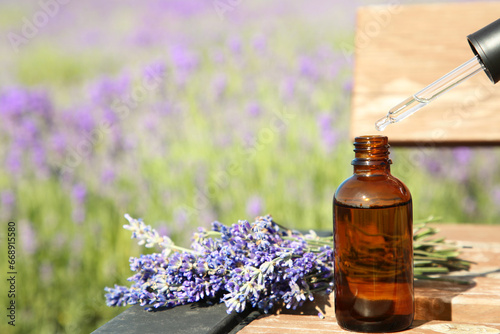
<point x="182" y="58"/>
<point x="326" y="128"/>
<point x="433" y="166"/>
<point x="463" y="155"/>
<point x="256" y="264"/>
<point x="155" y="70"/>
<point x="58" y="143"/>
<point x="13" y="161"/>
<point x="79" y="195"/>
<point x="348" y="85"/>
<point x="254" y="206"/>
<point x="234" y="45"/>
<point x="108" y="176"/>
<point x="106" y="89"/>
<point x="8" y="200"/>
<point x="254" y="109"/>
<point x="308" y="67"/>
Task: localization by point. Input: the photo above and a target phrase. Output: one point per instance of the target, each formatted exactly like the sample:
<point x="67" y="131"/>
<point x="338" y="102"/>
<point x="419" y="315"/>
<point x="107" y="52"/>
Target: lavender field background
<point x="181" y="112"/>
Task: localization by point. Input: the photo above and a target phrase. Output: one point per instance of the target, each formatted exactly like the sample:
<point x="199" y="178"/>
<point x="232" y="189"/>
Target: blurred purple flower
<point x="328" y="134"/>
<point x="58" y="143"/>
<point x="110" y="116"/>
<point x="13" y="161"/>
<point x="217" y="57"/>
<point x="40" y="104"/>
<point x="108" y="176"/>
<point x="163" y="230"/>
<point x="39" y="158"/>
<point x="308" y="67"/>
<point x="27" y="134"/>
<point x="24" y="114"/>
<point x="155" y="70"/>
<point x="29" y="242"/>
<point x="234" y="45"/>
<point x="254" y="206"/>
<point x="182" y="58"/>
<point x="181" y="217"/>
<point x="105" y="90"/>
<point x="13" y="101"/>
<point x="79" y="193"/>
<point x="8" y="200"/>
<point x="433" y="166"/>
<point x="460" y="174"/>
<point x="143" y="37"/>
<point x="348" y="85"/>
<point x="18" y="101"/>
<point x="182" y="7"/>
<point x="253" y="109"/>
<point x="463" y="155"/>
<point x="82" y="120"/>
<point x="259" y="43"/>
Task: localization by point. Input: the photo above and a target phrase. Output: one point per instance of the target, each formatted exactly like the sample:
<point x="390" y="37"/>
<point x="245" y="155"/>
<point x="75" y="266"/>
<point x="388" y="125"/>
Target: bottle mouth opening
<point x="371" y="140"/>
<point x="371" y="150"/>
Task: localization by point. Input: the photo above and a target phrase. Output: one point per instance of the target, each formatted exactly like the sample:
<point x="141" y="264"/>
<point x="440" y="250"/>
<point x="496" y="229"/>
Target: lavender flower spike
<point x="148" y="236"/>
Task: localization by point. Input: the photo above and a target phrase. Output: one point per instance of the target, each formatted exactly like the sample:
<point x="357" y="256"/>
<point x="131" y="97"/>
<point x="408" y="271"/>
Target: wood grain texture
<point x="399" y="50"/>
<point x="290" y="324"/>
<point x="476" y="303"/>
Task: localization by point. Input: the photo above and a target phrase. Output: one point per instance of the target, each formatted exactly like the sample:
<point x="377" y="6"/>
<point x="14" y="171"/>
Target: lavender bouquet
<point x="259" y="264"/>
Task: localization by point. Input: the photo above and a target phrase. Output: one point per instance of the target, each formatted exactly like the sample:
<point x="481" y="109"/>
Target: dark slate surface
<point x="189" y="319"/>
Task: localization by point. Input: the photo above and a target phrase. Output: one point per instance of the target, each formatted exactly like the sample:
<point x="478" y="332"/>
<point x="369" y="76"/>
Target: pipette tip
<point x="382" y="123"/>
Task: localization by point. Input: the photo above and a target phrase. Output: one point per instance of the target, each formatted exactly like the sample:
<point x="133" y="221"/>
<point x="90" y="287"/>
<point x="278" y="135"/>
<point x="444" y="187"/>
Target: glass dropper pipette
<point x="485" y="44"/>
<point x="429" y="93"/>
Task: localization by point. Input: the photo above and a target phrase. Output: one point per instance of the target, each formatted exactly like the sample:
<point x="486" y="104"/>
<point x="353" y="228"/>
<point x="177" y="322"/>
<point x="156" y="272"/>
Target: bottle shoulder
<point x="372" y="190"/>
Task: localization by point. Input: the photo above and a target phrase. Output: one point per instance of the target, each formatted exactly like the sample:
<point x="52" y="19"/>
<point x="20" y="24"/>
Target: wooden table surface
<point x="441" y="307"/>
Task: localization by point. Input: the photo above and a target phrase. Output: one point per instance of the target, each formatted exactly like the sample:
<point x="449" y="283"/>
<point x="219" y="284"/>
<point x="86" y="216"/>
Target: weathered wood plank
<point x="399" y="50"/>
<point x="289" y="324"/>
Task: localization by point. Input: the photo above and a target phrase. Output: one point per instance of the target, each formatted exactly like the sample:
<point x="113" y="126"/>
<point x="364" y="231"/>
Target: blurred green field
<point x="180" y="115"/>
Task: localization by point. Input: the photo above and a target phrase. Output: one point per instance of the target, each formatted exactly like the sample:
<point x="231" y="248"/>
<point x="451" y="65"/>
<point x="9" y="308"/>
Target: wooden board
<point x="399" y="50"/>
<point x="290" y="324"/>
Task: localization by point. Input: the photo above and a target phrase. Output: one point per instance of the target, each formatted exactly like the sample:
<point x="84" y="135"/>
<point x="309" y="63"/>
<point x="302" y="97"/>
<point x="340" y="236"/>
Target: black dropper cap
<point x="486" y="45"/>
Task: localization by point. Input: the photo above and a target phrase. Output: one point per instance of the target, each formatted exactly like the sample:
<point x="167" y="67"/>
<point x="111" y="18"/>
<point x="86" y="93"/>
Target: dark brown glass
<point x="373" y="244"/>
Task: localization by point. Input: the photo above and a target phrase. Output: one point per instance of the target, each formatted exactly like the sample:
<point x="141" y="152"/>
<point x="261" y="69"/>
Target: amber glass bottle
<point x="373" y="244"/>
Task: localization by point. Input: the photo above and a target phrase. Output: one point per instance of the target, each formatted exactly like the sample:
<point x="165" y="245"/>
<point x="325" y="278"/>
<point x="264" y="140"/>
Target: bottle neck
<point x="372" y="169"/>
<point x="371" y="155"/>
